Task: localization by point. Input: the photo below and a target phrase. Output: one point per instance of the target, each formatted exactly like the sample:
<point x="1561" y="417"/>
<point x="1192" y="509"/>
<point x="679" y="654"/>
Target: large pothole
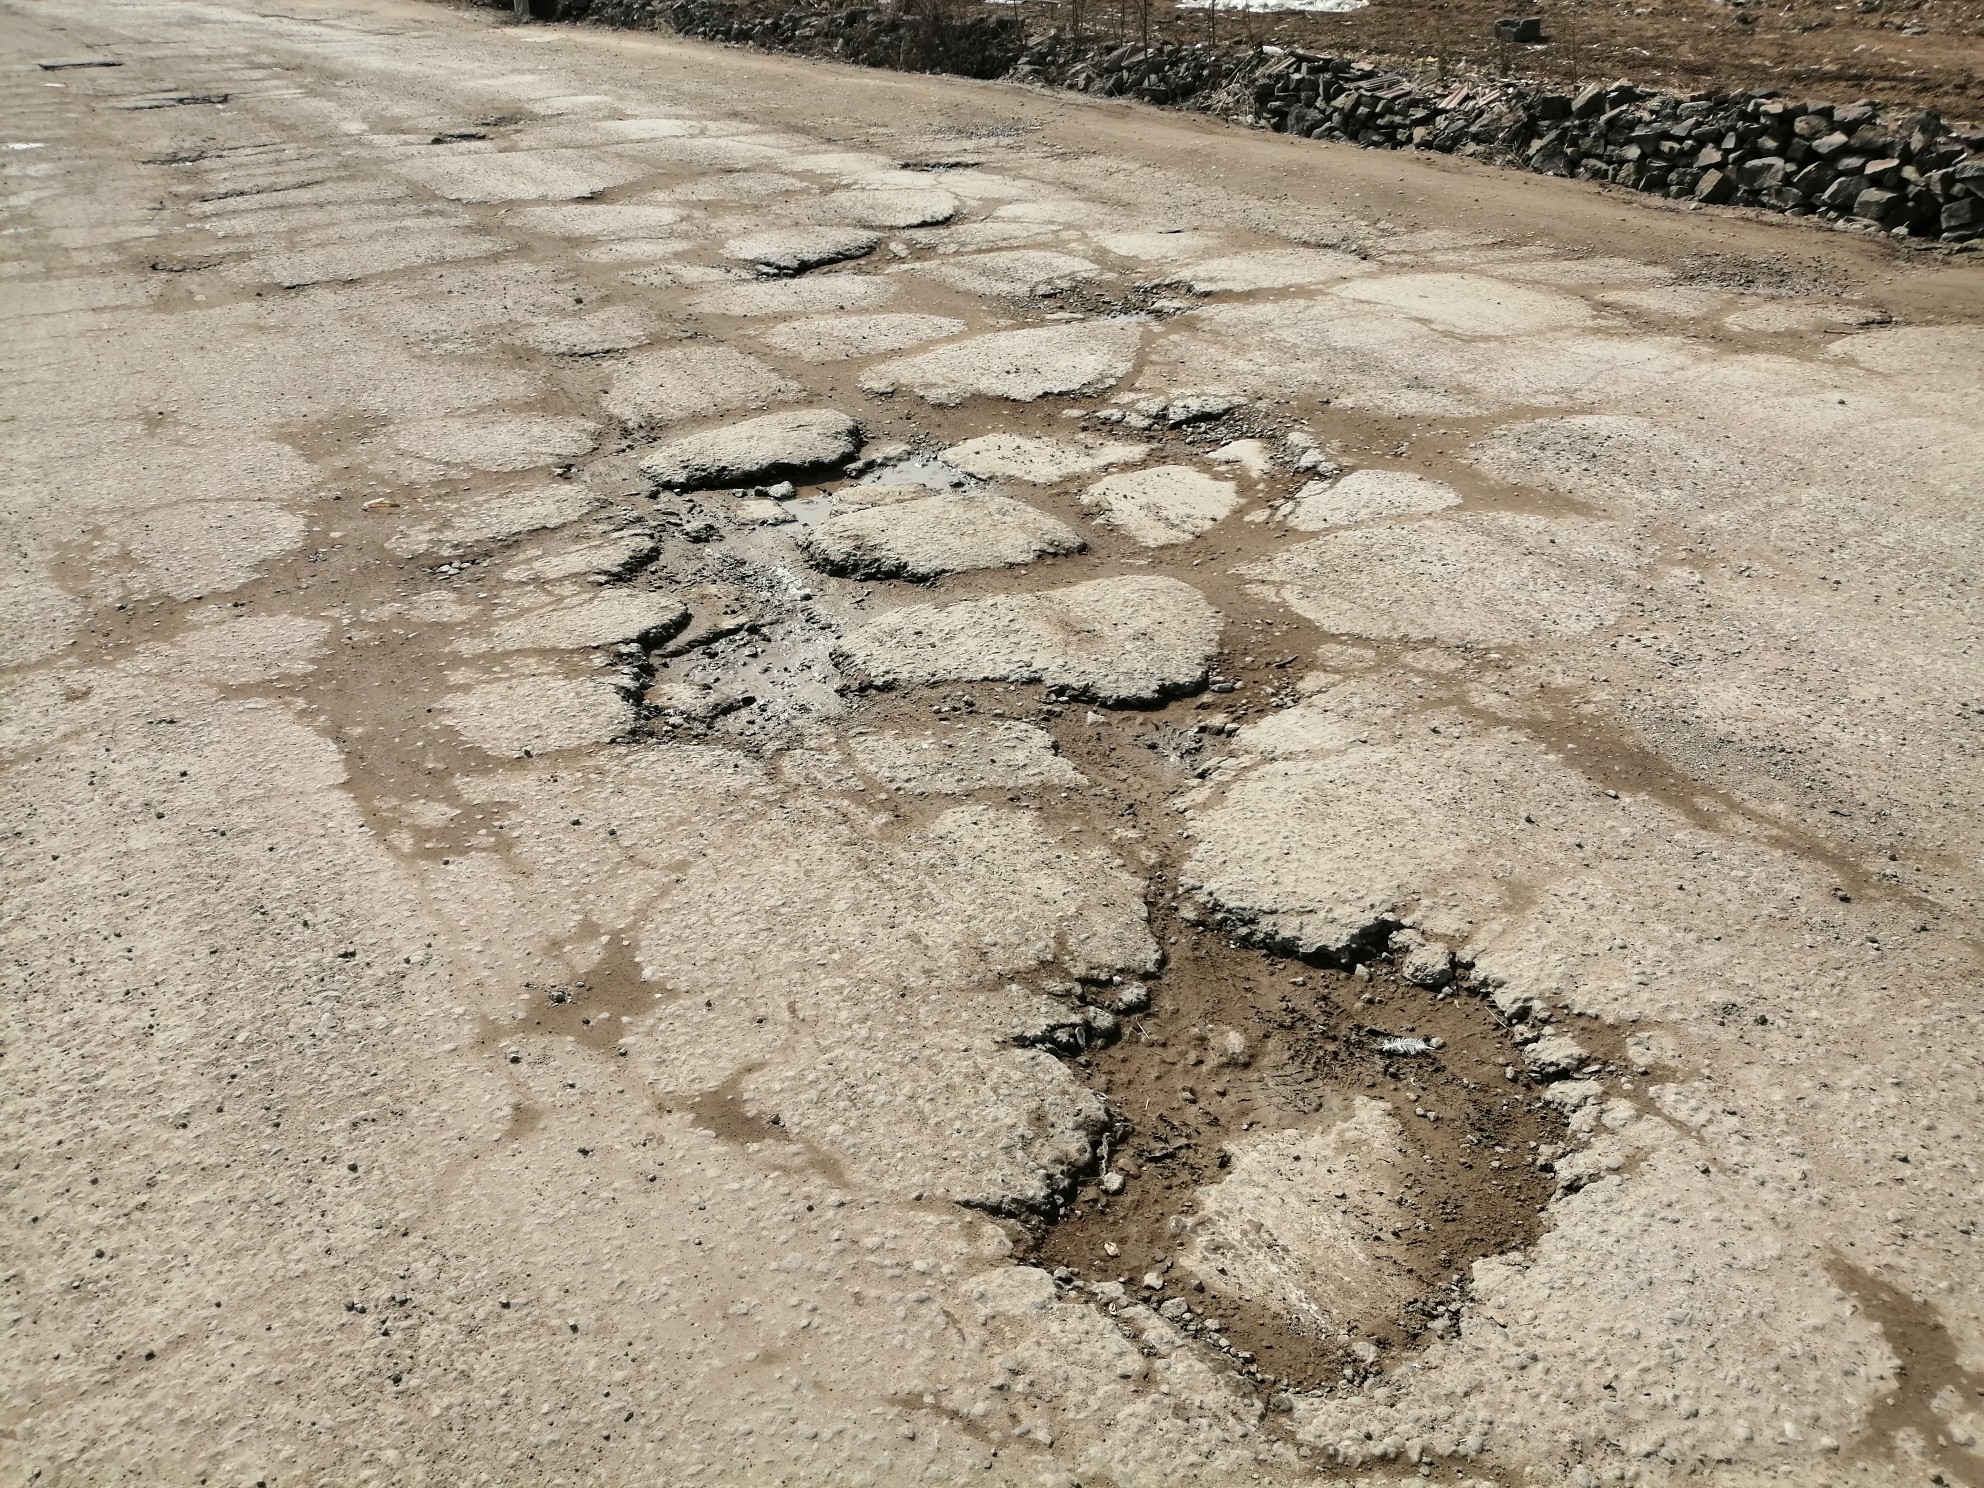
<point x="1304" y="1161"/>
<point x="1303" y="1158"/>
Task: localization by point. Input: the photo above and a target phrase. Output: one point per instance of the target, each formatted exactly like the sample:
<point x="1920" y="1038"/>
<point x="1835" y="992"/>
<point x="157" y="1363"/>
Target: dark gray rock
<point x="1876" y="205"/>
<point x="1962" y="220"/>
<point x="1840" y="195"/>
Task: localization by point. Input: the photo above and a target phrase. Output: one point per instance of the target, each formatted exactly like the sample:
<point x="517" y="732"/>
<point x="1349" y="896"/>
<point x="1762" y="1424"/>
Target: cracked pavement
<point x="720" y="770"/>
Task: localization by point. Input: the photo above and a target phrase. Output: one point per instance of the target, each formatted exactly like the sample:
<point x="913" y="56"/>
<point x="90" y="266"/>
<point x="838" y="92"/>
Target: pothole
<point x="1238" y="1052"/>
<point x="1248" y="1209"/>
<point x="1236" y="1073"/>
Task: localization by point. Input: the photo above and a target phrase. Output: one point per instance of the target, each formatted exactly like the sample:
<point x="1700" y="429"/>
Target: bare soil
<point x="1313" y="1035"/>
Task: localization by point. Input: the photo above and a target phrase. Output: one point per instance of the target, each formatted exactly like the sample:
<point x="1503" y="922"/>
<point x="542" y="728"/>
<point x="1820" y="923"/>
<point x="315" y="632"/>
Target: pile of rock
<point x="1911" y="175"/>
<point x="1195" y="76"/>
<point x="970" y="41"/>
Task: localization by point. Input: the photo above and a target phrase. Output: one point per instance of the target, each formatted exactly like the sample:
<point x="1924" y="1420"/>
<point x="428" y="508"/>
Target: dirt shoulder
<point x="1845" y="162"/>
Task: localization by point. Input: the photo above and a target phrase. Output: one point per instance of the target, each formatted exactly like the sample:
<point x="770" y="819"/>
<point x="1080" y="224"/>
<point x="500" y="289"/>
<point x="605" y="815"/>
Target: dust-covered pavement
<point x="725" y="771"/>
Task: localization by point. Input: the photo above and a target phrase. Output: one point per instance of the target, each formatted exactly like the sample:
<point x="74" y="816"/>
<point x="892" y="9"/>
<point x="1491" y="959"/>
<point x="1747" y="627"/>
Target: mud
<point x="1314" y="1038"/>
<point x="1928" y="1370"/>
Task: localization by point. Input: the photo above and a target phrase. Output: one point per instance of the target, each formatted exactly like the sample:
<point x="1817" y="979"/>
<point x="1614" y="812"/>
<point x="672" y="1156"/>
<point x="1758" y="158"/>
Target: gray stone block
<point x="1713" y="187"/>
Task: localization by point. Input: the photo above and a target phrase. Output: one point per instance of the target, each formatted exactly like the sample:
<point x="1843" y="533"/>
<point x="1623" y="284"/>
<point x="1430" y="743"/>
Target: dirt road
<point x="725" y="771"/>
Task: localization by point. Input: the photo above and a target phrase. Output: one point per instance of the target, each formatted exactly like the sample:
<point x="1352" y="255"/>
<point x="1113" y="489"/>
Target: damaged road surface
<point x="719" y="770"/>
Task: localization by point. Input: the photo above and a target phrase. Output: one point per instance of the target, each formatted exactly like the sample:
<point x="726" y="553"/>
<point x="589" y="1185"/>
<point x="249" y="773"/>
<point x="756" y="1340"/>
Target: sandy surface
<point x="1402" y="909"/>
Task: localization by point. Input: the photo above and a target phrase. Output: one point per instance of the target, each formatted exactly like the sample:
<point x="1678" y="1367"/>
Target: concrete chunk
<point x="598" y="620"/>
<point x="1163" y="505"/>
<point x="1017" y="365"/>
<point x="1112" y="641"/>
<point x="1040" y="462"/>
<point x="936" y="535"/>
<point x="890" y="207"/>
<point x="756" y="450"/>
<point x="793" y="250"/>
<point x="1364" y="494"/>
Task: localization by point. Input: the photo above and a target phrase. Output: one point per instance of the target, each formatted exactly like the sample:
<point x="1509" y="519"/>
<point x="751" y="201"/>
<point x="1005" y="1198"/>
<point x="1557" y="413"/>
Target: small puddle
<point x="814" y="506"/>
<point x="919" y="470"/>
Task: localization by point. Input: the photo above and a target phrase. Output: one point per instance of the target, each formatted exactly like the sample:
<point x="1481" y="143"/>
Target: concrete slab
<point x="937" y="535"/>
<point x="755" y="451"/>
<point x="1162" y="505"/>
<point x="840" y="338"/>
<point x="1019" y="366"/>
<point x="1365" y="494"/>
<point x="1113" y="641"/>
<point x="1038" y="462"/>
